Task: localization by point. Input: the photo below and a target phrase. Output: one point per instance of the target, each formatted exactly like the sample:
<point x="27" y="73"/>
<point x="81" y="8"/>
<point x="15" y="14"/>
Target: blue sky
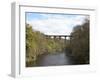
<point x="32" y="16"/>
<point x="51" y="24"/>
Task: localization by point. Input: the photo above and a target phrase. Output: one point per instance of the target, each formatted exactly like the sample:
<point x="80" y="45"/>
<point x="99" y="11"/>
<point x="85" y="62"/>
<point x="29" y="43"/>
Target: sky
<point x="54" y="24"/>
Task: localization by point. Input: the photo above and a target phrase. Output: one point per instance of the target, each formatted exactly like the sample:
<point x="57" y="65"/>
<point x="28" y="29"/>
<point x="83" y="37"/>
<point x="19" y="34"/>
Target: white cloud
<point x="58" y="24"/>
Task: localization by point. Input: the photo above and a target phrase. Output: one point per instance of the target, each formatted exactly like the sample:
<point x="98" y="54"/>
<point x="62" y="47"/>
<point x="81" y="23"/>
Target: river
<point x="54" y="59"/>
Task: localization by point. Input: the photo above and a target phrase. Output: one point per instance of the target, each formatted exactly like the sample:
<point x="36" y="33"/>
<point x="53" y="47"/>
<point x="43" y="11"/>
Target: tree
<point x="80" y="42"/>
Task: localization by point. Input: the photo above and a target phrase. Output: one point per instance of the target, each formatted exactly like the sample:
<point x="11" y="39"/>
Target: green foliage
<point x="80" y="42"/>
<point x="37" y="44"/>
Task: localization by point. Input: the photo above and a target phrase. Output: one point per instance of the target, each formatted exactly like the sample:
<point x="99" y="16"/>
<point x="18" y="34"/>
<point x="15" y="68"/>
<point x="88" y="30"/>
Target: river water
<point x="54" y="59"/>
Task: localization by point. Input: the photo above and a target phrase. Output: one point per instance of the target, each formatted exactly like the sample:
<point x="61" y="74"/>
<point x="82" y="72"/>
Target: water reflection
<point x="54" y="59"/>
